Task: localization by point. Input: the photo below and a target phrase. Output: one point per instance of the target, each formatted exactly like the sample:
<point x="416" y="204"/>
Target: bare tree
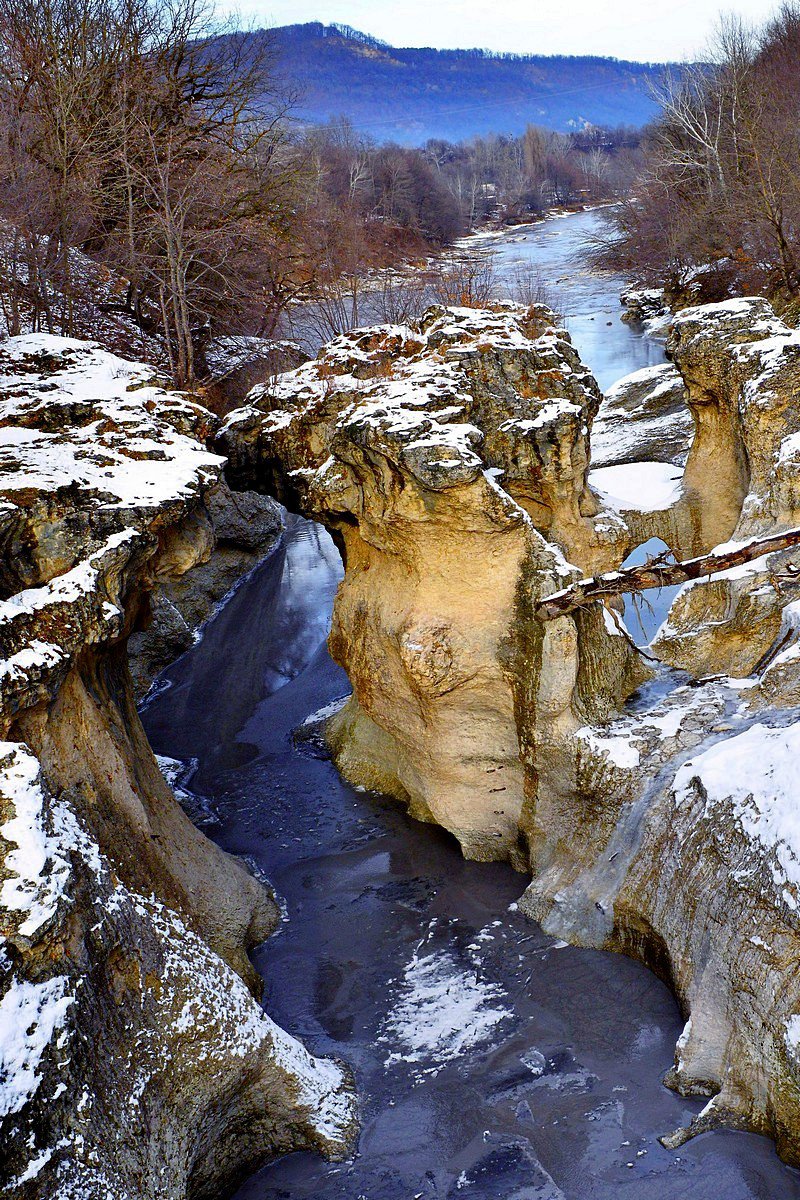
<point x="722" y="178"/>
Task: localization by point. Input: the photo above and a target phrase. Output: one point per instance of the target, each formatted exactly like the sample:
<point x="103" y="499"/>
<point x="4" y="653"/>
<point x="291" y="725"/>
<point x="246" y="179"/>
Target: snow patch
<point x="444" y="1011"/>
<point x="621" y="751"/>
<point x="30" y="1014"/>
<point x="641" y="486"/>
<point x="755" y="772"/>
<point x="38" y="868"/>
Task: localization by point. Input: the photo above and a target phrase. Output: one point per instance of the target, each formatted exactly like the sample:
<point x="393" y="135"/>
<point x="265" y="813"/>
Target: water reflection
<point x="213" y="695"/>
<point x="645" y="612"/>
<point x="557" y="1095"/>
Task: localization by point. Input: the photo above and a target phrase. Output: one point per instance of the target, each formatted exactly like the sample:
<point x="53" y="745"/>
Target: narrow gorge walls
<point x="136" y="1059"/>
<point x="451" y="460"/>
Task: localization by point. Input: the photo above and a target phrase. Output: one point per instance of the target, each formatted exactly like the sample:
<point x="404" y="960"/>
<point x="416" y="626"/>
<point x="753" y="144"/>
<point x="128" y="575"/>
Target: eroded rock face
<point x="742" y="371"/>
<point x="697" y="872"/>
<point x="136" y="1058"/>
<point x="450" y="461"/>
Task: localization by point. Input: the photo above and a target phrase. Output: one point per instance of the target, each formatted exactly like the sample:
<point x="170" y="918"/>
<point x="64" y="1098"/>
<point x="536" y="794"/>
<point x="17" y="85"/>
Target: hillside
<point x="410" y="95"/>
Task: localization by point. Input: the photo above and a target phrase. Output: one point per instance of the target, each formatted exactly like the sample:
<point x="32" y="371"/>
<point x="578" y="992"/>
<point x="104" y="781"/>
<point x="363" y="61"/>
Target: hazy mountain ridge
<point x="409" y="95"/>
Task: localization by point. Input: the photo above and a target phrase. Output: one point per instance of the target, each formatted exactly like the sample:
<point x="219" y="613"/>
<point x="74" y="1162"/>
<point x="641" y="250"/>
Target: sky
<point x="645" y="30"/>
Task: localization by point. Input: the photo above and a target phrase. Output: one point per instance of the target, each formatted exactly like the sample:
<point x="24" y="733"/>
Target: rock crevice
<point x="451" y="459"/>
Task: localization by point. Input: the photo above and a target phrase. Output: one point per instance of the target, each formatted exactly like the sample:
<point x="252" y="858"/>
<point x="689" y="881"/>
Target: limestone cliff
<point x="135" y="1059"/>
<point x="740" y="363"/>
<point x="451" y="461"/>
<point x="703" y="777"/>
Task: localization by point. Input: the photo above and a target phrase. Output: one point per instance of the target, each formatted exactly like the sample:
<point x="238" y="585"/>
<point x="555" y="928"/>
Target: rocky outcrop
<point x="740" y="364"/>
<point x="647" y="307"/>
<point x="450" y="460"/>
<point x="706" y="824"/>
<point x="136" y="1059"/>
<point x="245" y="527"/>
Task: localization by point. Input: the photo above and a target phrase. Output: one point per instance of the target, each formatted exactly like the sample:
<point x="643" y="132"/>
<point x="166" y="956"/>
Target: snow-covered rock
<point x="741" y="366"/>
<point x="644" y="418"/>
<point x="647" y="307"/>
<point x="135" y="1058"/>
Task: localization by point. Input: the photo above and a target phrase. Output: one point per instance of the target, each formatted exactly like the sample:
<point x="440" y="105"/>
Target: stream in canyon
<point x="492" y="1062"/>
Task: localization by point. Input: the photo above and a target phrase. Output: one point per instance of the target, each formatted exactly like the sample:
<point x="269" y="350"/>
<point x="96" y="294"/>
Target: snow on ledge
<point x="620" y="750"/>
<point x="37" y="869"/>
<point x="30" y="1016"/>
<point x="118" y="438"/>
<point x="640" y="486"/>
<point x="756" y="772"/>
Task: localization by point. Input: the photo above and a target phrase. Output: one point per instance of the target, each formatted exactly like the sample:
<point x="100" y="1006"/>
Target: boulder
<point x="644" y="418"/>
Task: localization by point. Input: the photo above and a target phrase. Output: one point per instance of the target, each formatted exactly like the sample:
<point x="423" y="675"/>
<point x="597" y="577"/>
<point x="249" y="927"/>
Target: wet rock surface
<point x="245" y="527"/>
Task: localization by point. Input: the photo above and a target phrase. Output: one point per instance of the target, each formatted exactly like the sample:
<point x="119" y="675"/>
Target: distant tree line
<point x="516" y="178"/>
<point x="355" y="35"/>
<point x="370" y="207"/>
<point x="717" y="207"/>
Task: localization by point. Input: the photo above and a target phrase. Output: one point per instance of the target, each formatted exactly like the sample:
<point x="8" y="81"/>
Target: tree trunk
<point x="659" y="573"/>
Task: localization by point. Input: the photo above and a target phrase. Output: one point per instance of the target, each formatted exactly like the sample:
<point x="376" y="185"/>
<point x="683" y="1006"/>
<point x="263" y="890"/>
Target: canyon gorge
<point x="467" y="465"/>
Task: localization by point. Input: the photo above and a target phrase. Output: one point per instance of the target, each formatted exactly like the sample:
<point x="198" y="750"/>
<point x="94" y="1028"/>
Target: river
<point x="492" y="1062"/>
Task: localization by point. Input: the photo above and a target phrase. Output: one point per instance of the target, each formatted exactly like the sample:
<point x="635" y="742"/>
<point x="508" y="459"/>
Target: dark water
<point x="492" y="1063"/>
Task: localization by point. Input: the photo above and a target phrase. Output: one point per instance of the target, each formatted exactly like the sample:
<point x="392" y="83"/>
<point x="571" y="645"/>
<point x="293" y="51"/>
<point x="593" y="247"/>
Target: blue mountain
<point x="410" y="95"/>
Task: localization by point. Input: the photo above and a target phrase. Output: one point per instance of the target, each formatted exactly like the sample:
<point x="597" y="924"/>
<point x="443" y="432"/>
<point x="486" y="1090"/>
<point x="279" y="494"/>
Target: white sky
<point x="648" y="30"/>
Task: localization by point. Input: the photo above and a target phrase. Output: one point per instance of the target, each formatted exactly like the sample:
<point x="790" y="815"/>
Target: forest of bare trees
<point x="148" y="172"/>
<point x="717" y="207"/>
<point x="521" y="177"/>
<point x="133" y="139"/>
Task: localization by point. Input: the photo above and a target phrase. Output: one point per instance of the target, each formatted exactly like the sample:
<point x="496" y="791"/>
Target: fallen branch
<point x="660" y="572"/>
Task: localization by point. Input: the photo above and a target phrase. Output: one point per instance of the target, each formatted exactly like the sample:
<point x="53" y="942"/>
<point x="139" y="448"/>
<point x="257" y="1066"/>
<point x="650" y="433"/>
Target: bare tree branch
<point x="659" y="573"/>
